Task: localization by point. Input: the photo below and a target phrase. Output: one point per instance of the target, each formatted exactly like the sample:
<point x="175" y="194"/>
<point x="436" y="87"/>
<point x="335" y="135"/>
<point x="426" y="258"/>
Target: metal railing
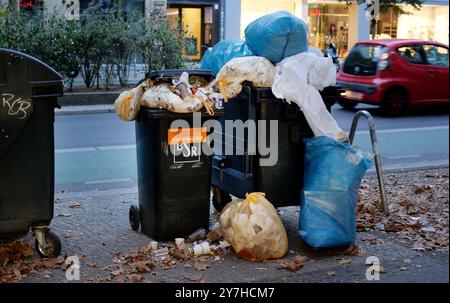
<point x="373" y="138"/>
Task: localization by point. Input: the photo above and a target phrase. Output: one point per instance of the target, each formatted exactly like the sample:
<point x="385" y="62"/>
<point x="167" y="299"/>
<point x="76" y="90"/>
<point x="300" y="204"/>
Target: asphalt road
<point x="96" y="151"/>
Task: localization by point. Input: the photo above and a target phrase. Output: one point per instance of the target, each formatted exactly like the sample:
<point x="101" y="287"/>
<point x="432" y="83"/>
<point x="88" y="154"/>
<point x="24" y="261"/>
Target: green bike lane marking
<point x="88" y="165"/>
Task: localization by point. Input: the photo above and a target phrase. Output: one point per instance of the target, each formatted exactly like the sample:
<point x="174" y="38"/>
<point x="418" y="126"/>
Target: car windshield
<point x="363" y="60"/>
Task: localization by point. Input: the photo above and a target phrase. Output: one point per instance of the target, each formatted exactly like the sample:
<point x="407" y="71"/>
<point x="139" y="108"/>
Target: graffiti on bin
<point x="15" y="106"/>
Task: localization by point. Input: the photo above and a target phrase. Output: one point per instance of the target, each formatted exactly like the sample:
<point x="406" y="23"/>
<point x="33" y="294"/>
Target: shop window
<point x="412" y="54"/>
<point x="253" y="9"/>
<point x="197" y="23"/>
<point x="436" y="55"/>
<point x="329" y="23"/>
<point x="386" y="27"/>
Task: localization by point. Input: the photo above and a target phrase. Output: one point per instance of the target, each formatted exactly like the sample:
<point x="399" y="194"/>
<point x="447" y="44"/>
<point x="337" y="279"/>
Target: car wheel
<point x="347" y="104"/>
<point x="395" y="102"/>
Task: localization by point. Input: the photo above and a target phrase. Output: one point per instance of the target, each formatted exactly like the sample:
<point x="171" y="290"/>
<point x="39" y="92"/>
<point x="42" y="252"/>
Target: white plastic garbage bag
<point x="315" y="50"/>
<point x="254" y="229"/>
<point x="257" y="70"/>
<point x="298" y="79"/>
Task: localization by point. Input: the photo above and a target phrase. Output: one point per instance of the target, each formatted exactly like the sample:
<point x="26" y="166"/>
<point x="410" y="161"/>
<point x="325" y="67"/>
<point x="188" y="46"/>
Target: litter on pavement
<point x="254" y="229"/>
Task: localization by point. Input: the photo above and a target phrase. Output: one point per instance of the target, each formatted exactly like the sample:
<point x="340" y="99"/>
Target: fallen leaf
<point x="64" y="215"/>
<point x="26" y="251"/>
<point x="294" y="266"/>
<point x="50" y="263"/>
<point x="143" y="268"/>
<point x="75" y="205"/>
<point x="119" y="279"/>
<point x="406" y="261"/>
<point x="344" y="261"/>
<point x="353" y="250"/>
<point x="300" y="259"/>
<point x="117" y="272"/>
<point x="90" y="279"/>
<point x="194" y="277"/>
<point x="60" y="260"/>
<point x="200" y="266"/>
<point x="91" y="265"/>
<point x="405" y="202"/>
<point x="135" y="277"/>
<point x="17" y="273"/>
<point x="331" y="273"/>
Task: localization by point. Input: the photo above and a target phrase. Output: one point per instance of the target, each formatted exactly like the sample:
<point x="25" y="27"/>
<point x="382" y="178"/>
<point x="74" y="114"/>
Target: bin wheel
<point x="220" y="198"/>
<point x="135" y="219"/>
<point x="52" y="246"/>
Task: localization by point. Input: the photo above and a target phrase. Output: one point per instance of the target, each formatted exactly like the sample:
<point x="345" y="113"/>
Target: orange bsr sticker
<point x="186" y="135"/>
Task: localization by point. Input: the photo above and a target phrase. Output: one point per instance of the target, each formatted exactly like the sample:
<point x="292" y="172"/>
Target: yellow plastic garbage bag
<point x="254" y="229"/>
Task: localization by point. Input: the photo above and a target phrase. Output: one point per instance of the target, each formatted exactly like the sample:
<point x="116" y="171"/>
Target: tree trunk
<point x="14" y="6"/>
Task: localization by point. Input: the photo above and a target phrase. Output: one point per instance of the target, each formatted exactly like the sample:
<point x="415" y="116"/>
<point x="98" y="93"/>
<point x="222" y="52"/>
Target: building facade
<point x="335" y="21"/>
<point x="208" y="21"/>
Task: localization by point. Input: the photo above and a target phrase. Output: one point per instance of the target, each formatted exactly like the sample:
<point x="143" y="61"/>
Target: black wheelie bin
<point x="28" y="96"/>
<point x="174" y="188"/>
<point x="240" y="174"/>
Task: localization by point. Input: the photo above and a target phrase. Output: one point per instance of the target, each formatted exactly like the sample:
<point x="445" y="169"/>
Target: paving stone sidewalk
<point x="95" y="228"/>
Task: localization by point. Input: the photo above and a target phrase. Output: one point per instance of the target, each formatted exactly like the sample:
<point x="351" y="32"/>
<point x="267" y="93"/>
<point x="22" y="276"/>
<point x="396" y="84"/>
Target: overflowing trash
<point x="252" y="226"/>
<point x="257" y="70"/>
<point x="183" y="95"/>
<point x="298" y="79"/>
<point x="277" y="36"/>
<point x="254" y="229"/>
<point x="333" y="173"/>
<point x="223" y="52"/>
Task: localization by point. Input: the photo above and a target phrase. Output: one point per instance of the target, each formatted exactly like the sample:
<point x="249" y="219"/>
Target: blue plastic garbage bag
<point x="332" y="176"/>
<point x="223" y="52"/>
<point x="277" y="35"/>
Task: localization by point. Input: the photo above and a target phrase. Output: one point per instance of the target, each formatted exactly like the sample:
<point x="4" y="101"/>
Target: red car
<point x="396" y="74"/>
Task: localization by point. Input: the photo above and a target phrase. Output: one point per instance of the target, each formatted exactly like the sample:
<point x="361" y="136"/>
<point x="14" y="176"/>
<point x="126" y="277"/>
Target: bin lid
<point x="23" y="80"/>
<point x="156" y="113"/>
<point x="168" y="74"/>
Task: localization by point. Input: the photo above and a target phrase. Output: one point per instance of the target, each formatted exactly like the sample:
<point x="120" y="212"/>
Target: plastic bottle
<point x="197" y="235"/>
<point x="199" y="249"/>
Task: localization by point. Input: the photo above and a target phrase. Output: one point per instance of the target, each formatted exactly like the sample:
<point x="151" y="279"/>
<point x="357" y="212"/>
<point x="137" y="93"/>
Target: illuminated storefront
<point x="328" y="21"/>
<point x="201" y="22"/>
<point x="343" y="24"/>
<point x="431" y="22"/>
<point x="253" y="9"/>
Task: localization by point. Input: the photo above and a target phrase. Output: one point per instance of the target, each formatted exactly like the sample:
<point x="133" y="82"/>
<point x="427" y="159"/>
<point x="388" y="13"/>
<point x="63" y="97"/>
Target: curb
<point x="87" y="109"/>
